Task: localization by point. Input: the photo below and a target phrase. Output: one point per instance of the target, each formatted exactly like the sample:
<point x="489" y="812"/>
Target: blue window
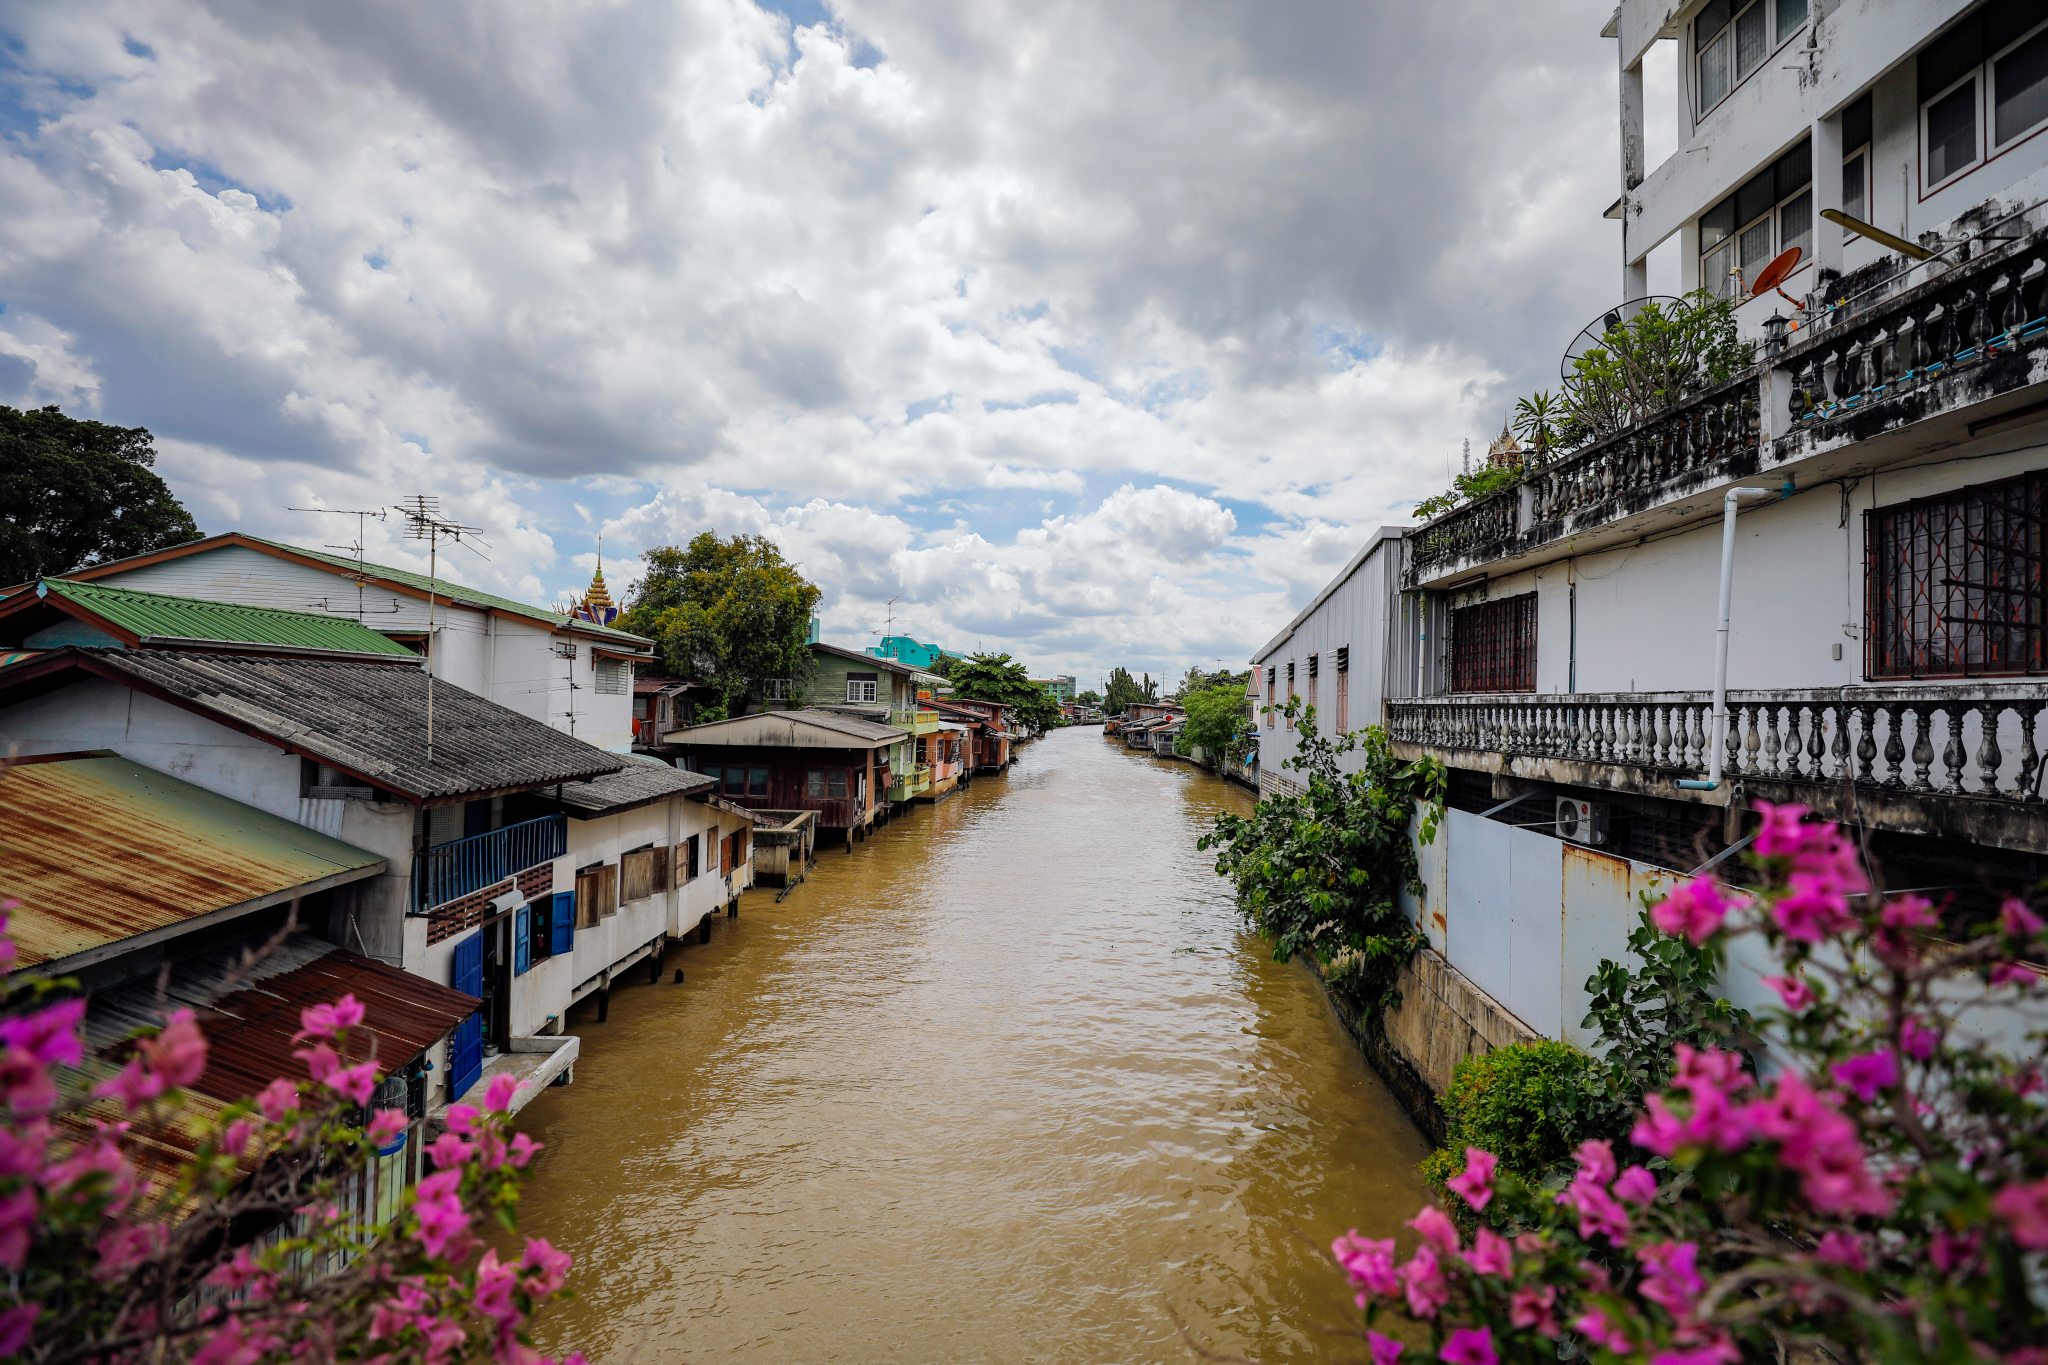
<point x="522" y="920"/>
<point x="562" y="922"/>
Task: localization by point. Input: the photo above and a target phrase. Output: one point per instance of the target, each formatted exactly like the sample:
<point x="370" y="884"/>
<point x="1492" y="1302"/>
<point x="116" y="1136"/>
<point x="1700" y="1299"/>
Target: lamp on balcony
<point x="1775" y="328"/>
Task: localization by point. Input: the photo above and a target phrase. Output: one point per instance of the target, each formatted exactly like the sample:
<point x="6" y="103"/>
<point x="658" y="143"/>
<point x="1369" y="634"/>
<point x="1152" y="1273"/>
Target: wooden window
<point x="1344" y="702"/>
<point x="636" y="874"/>
<point x="725" y="856"/>
<point x="1493" y="646"/>
<point x="814" y="785"/>
<point x="757" y="782"/>
<point x="608" y="891"/>
<point x="1290" y="690"/>
<point x="686" y="859"/>
<point x="1954" y="583"/>
<point x="835" y="784"/>
<point x="1269" y="698"/>
<point x="589" y="897"/>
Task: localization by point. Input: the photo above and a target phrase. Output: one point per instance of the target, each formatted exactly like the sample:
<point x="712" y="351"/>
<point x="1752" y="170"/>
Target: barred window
<point x="612" y="676"/>
<point x="1493" y="646"/>
<point x="1955" y="588"/>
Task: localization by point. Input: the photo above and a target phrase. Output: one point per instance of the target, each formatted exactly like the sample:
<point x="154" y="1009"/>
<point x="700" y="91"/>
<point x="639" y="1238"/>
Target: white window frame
<point x="1974" y="77"/>
<point x="1991" y="147"/>
<point x="1736" y="78"/>
<point x="1860" y="150"/>
<point x="860" y="691"/>
<point x="614" y="676"/>
<point x="775" y="689"/>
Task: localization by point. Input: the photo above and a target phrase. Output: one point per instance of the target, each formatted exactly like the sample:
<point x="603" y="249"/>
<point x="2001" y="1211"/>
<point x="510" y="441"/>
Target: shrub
<point x="1527" y="1103"/>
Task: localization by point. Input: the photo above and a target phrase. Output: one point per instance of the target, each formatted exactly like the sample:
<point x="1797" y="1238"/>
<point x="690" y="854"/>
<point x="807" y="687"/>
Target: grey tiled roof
<point x="370" y="719"/>
<point x="642" y="780"/>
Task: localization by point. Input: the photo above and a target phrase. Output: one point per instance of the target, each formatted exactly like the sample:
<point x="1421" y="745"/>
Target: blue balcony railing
<point x="452" y="871"/>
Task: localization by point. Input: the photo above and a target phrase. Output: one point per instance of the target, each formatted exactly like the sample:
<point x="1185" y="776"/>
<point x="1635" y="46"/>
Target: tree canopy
<point x="994" y="677"/>
<point x="725" y="612"/>
<point x="1123" y="690"/>
<point x="1219" y="719"/>
<point x="74" y="493"/>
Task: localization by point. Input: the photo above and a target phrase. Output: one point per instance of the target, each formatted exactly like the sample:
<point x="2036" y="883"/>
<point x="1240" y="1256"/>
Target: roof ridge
<point x="72" y="585"/>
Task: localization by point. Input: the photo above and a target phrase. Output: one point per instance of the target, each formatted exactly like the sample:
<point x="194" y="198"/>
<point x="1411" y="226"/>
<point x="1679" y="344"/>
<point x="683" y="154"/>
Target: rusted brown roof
<point x="98" y="848"/>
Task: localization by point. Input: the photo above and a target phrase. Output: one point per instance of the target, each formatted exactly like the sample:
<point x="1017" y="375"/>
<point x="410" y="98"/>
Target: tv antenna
<point x="361" y="577"/>
<point x="423" y="521"/>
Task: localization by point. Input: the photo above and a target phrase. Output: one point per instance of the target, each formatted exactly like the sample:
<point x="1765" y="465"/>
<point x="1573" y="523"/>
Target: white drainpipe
<point x="1717" y="741"/>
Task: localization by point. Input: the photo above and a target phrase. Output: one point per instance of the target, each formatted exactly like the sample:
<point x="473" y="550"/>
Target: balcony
<point x="451" y="871"/>
<point x="1957" y="761"/>
<point x="1922" y="359"/>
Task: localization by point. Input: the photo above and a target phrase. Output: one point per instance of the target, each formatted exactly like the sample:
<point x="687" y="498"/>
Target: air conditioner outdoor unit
<point x="1581" y="822"/>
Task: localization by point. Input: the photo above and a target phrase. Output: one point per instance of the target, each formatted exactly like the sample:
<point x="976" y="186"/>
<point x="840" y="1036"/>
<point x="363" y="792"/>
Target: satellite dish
<point x="1595" y="332"/>
<point x="1773" y="275"/>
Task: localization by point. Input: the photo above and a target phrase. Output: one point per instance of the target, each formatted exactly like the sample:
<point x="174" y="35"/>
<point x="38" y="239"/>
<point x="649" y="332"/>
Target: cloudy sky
<point x="1094" y="332"/>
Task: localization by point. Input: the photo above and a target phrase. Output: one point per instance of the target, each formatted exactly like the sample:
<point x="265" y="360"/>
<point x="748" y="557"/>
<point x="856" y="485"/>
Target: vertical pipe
<point x="1717" y="732"/>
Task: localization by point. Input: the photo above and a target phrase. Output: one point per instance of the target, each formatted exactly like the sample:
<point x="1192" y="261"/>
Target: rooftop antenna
<point x="361" y="575"/>
<point x="423" y="521"/>
<point x="1468" y="455"/>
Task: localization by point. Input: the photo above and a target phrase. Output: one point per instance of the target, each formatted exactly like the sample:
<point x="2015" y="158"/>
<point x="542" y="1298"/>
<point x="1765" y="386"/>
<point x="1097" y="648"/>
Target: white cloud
<point x="1100" y="333"/>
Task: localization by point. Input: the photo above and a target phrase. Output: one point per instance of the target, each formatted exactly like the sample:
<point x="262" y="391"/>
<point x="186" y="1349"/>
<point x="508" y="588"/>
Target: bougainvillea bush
<point x="237" y="1252"/>
<point x="1869" y="1183"/>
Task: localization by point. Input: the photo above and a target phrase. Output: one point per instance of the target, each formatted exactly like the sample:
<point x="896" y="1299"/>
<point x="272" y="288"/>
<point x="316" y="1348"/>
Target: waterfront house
<point x="464" y="802"/>
<point x="987" y="736"/>
<point x="1555" y="643"/>
<point x="903" y="649"/>
<point x="824" y="759"/>
<point x="563" y="670"/>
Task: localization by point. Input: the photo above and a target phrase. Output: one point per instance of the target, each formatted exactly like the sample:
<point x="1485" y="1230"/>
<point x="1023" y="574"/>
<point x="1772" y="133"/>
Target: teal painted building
<point x="904" y="650"/>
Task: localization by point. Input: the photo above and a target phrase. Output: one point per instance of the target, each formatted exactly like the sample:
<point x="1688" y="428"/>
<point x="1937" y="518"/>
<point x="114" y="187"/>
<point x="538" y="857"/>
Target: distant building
<point x="903" y="649"/>
<point x="1060" y="689"/>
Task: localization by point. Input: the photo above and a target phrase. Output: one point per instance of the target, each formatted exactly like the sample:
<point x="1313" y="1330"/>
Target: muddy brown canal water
<point x="1005" y="1083"/>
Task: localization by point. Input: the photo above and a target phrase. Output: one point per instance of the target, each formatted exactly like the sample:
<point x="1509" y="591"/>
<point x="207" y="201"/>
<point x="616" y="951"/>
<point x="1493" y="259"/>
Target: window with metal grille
<point x="1493" y="646"/>
<point x="1955" y="588"/>
<point x="613" y="676"/>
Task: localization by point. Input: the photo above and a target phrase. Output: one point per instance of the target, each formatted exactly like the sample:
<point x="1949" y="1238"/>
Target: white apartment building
<point x="1555" y="643"/>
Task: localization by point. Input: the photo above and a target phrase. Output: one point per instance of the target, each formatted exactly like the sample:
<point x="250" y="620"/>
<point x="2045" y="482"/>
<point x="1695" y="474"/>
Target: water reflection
<point x="1006" y="1083"/>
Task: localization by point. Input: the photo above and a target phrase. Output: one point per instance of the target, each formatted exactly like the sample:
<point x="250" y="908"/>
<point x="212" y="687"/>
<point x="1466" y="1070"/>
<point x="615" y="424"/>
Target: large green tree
<point x="730" y="613"/>
<point x="1219" y="719"/>
<point x="994" y="677"/>
<point x="1124" y="689"/>
<point x="75" y="493"/>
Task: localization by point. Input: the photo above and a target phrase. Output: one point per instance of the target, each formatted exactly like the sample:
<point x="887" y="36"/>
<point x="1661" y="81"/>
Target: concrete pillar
<point x="1635" y="274"/>
<point x="1827" y="194"/>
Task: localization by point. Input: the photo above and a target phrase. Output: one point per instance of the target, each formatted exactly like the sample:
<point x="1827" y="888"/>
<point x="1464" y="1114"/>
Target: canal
<point x="1005" y="1083"/>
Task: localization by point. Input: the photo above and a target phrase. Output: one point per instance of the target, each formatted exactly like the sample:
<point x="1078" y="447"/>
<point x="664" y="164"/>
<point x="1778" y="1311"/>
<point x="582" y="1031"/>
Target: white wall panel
<point x="1535" y="930"/>
<point x="1476" y="937"/>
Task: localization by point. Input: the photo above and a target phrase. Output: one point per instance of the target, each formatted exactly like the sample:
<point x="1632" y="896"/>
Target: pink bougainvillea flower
<point x="548" y="1269"/>
<point x="17" y="1226"/>
<point x="523" y="1150"/>
<point x="1900" y="926"/>
<point x="1594" y="1324"/>
<point x="1436" y="1228"/>
<point x="1950" y="1251"/>
<point x="357" y="1082"/>
<point x="135" y="1085"/>
<point x="234" y="1139"/>
<point x="2012" y="974"/>
<point x="1596" y="1160"/>
<point x="1822" y="1146"/>
<point x="1694" y="910"/>
<point x="1721" y="1352"/>
<point x="2018" y="921"/>
<point x="1813" y="911"/>
<point x="1868" y="1073"/>
<point x="1531" y="1306"/>
<point x="278" y="1099"/>
<point x="1797" y="995"/>
<point x="1782" y="834"/>
<point x="385" y="1125"/>
<point x="1636" y="1185"/>
<point x="450" y="1151"/>
<point x="444" y="1225"/>
<point x="1385" y="1350"/>
<point x="17" y="1325"/>
<point x="498" y="1094"/>
<point x="2025" y="1210"/>
<point x="178" y="1052"/>
<point x="1491" y="1254"/>
<point x="1671" y="1277"/>
<point x="1369" y="1263"/>
<point x="1475" y="1184"/>
<point x="50" y="1036"/>
<point x="123" y="1248"/>
<point x="1598" y="1212"/>
<point x="1919" y="1039"/>
<point x="1469" y="1346"/>
<point x="1844" y="1249"/>
<point x="495" y="1285"/>
<point x="1423" y="1283"/>
<point x="324" y="1021"/>
<point x="1658" y="1130"/>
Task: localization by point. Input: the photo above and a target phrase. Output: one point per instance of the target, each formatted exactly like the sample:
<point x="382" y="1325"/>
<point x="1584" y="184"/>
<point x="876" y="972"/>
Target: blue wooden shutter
<point x="521" y="955"/>
<point x="465" y="1056"/>
<point x="469" y="966"/>
<point x="562" y="923"/>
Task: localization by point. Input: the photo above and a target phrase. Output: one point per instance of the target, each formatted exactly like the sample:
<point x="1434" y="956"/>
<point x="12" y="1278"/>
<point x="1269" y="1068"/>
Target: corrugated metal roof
<point x="162" y="616"/>
<point x="787" y="729"/>
<point x="369" y="719"/>
<point x="459" y="592"/>
<point x="99" y="848"/>
<point x="642" y="780"/>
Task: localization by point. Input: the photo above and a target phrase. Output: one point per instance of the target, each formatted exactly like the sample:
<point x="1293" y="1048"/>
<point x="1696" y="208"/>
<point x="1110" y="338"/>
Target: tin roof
<point x="807" y="728"/>
<point x="162" y="619"/>
<point x="369" y="720"/>
<point x="642" y="781"/>
<point x="99" y="849"/>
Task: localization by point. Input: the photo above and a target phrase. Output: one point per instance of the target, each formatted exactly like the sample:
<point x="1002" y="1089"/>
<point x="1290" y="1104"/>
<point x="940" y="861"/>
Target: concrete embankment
<point x="1442" y="1019"/>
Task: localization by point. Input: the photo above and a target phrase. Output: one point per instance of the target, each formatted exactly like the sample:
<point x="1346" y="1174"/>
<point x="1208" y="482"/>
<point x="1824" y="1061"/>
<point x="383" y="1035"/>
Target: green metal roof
<point x="161" y="616"/>
<point x="461" y="592"/>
